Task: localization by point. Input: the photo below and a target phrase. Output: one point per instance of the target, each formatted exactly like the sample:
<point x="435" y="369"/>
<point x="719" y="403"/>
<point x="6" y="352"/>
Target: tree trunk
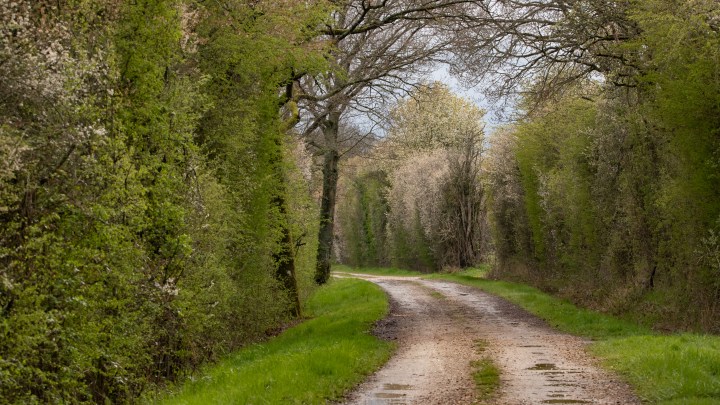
<point x="285" y="259"/>
<point x="285" y="256"/>
<point x="327" y="205"/>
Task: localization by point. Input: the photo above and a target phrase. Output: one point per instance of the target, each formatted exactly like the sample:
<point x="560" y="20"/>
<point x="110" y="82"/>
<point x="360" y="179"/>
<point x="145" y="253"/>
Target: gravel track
<point x="437" y="325"/>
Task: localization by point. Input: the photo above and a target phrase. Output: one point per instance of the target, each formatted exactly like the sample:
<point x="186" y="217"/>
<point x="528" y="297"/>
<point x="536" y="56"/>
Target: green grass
<point x="675" y="369"/>
<point x="487" y="378"/>
<point x="437" y="295"/>
<point x="314" y="362"/>
<point x="481" y="271"/>
<point x="485" y="374"/>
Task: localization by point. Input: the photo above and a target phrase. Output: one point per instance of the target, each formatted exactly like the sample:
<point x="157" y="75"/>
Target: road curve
<point x="437" y="325"/>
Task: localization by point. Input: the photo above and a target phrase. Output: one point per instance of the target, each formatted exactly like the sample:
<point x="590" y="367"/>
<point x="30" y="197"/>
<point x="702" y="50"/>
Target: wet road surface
<point x="437" y="325"/>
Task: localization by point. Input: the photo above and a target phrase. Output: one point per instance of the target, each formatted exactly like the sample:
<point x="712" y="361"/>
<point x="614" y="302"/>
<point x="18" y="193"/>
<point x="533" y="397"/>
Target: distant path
<point x="436" y="324"/>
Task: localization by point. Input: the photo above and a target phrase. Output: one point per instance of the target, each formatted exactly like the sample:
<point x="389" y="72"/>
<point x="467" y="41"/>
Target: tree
<point x="608" y="193"/>
<point x="247" y="84"/>
<point x="510" y="44"/>
<point x="145" y="189"/>
<point x="434" y="119"/>
<point x="421" y="188"/>
<point x="378" y="50"/>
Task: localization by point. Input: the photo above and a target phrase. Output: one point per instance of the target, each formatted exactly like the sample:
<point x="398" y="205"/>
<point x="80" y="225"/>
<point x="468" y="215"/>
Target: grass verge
<point x="480" y="271"/>
<point x="314" y="362"/>
<point x="668" y="370"/>
<point x="663" y="369"/>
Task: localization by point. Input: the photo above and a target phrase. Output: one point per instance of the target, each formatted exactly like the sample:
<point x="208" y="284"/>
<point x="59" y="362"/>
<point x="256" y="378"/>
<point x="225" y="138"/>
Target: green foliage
<point x="554" y="173"/>
<point x="619" y="188"/>
<point x="363" y="217"/>
<point x="411" y="247"/>
<point x="315" y="362"/>
<point x="132" y="247"/>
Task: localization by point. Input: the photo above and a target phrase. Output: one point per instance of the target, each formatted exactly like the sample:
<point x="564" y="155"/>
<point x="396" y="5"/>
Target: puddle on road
<point x="388" y="395"/>
<point x="397" y="387"/>
<point x="565" y="401"/>
<point x="543" y="366"/>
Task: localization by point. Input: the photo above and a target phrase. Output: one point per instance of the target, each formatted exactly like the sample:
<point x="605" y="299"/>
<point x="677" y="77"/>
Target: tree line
<point x="603" y="189"/>
<point x="608" y="192"/>
<point x="416" y="200"/>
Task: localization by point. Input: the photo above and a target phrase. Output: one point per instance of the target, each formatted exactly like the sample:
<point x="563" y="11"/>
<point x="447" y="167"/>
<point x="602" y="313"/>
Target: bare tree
<point x="511" y="44"/>
<point x="379" y="50"/>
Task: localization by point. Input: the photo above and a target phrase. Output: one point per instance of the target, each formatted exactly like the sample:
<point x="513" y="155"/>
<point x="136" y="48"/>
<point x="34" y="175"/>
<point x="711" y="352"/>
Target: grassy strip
<point x="487" y="378"/>
<point x="477" y="272"/>
<point x="663" y="369"/>
<point x="437" y="295"/>
<point x="485" y="374"/>
<point x="315" y="362"/>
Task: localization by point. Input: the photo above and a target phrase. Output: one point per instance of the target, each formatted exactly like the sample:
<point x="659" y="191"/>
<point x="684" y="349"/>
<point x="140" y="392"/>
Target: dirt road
<point x="437" y="325"/>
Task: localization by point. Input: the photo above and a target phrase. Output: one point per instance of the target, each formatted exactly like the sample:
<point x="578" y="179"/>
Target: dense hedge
<point x="611" y="195"/>
<point x="145" y="188"/>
